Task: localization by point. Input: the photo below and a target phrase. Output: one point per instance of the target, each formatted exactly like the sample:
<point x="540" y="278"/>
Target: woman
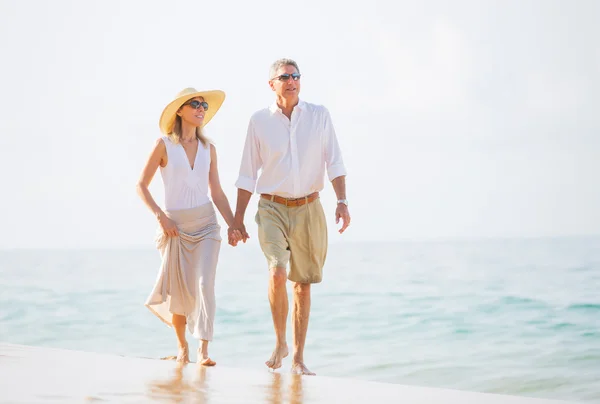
<point x="189" y="239"/>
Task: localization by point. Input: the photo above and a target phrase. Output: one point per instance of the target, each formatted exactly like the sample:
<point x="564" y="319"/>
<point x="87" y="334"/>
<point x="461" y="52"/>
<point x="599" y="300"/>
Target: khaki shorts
<point x="295" y="234"/>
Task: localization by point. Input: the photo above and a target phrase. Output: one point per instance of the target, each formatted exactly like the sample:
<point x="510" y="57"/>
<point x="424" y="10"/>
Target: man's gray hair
<point x="280" y="63"/>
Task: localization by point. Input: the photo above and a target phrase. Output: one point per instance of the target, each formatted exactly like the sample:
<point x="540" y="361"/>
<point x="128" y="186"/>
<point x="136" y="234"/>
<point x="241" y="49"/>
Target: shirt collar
<point x="274" y="107"/>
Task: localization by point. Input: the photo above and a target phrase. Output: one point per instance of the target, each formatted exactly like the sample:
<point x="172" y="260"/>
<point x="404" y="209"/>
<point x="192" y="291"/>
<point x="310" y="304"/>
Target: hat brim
<point x="214" y="98"/>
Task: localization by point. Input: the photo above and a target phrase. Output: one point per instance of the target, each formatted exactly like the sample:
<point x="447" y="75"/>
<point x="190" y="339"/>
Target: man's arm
<point x="243" y="199"/>
<point x="341" y="212"/>
<point x="246" y="183"/>
<point x="336" y="171"/>
<point x="339" y="186"/>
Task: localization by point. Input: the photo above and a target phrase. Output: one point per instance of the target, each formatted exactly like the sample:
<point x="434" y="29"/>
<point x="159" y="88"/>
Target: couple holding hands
<point x="292" y="143"/>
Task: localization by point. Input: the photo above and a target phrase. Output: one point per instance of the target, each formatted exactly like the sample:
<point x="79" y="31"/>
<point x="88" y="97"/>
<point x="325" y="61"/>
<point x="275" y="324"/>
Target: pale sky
<point x="456" y="119"/>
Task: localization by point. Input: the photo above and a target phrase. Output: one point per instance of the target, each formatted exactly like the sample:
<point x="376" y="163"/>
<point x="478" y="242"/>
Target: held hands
<point x="233" y="236"/>
<point x="237" y="233"/>
<point x="341" y="212"/>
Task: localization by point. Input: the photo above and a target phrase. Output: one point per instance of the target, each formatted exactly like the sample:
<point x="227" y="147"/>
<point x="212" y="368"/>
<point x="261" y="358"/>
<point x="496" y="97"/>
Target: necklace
<point x="189" y="142"/>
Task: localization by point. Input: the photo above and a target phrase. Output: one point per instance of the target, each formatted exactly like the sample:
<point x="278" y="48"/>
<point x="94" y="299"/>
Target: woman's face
<point x="192" y="112"/>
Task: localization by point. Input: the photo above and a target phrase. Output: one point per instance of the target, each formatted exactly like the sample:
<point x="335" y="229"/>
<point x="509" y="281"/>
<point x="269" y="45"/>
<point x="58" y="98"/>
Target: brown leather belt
<point x="291" y="201"/>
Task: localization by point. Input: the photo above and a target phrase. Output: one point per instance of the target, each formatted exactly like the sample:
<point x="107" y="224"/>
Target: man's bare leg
<point x="279" y="309"/>
<point x="300" y="314"/>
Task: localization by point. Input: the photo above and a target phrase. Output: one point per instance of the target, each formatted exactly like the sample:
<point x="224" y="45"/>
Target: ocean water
<point x="519" y="316"/>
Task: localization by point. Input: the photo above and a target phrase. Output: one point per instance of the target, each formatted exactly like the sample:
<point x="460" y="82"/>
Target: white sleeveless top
<point x="185" y="187"/>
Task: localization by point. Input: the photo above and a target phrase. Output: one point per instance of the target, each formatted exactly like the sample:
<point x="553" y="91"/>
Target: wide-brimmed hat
<point x="214" y="98"/>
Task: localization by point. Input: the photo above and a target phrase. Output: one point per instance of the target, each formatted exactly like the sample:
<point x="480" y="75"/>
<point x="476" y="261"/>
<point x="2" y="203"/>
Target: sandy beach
<point x="43" y="375"/>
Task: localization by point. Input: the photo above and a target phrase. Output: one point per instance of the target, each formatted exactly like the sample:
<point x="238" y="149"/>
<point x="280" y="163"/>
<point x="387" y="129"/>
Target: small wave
<point x="362" y="295"/>
<point x="537" y="322"/>
<point x="582" y="269"/>
<point x="560" y="326"/>
<point x="584" y="306"/>
<point x="587" y="357"/>
<point x="382" y="366"/>
<point x="518" y="300"/>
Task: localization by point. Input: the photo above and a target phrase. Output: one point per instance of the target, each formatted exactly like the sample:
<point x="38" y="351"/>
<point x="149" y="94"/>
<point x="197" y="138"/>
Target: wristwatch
<point x="344" y="201"/>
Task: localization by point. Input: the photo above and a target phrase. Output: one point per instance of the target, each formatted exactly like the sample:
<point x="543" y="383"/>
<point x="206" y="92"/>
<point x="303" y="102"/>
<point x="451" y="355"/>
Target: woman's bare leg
<point x="179" y="325"/>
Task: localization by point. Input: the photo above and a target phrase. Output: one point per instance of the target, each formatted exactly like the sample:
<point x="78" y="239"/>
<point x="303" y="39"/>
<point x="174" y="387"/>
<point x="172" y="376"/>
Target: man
<point x="293" y="143"/>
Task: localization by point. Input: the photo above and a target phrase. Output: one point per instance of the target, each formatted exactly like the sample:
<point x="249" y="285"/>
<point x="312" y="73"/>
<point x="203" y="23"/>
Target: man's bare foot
<point x="299" y="368"/>
<point x="278" y="354"/>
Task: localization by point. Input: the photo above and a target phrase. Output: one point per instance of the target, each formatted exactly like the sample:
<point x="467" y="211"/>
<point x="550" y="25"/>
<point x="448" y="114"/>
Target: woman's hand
<point x="234" y="236"/>
<point x="168" y="226"/>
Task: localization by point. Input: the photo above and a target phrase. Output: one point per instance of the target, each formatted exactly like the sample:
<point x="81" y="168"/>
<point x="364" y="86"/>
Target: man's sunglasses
<point x="197" y="104"/>
<point x="286" y="77"/>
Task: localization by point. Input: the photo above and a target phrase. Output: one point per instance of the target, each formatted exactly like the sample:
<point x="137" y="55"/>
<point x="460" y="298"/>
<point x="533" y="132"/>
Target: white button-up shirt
<point x="292" y="153"/>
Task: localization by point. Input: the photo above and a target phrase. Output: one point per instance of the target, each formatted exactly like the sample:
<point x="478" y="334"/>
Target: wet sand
<point x="44" y="375"/>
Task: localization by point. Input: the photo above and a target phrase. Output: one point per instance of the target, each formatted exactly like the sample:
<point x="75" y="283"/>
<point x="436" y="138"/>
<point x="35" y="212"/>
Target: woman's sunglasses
<point x="197" y="104"/>
<point x="286" y="77"/>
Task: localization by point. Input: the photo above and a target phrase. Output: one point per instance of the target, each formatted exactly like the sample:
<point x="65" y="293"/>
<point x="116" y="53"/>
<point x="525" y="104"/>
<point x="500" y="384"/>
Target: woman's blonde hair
<point x="175" y="135"/>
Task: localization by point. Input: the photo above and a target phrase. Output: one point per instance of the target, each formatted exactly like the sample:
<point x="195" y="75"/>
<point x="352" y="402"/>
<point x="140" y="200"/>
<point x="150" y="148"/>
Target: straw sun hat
<point x="214" y="98"/>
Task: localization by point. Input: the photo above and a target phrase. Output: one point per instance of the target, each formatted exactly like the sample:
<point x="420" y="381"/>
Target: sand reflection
<point x="280" y="392"/>
<point x="296" y="393"/>
<point x="180" y="388"/>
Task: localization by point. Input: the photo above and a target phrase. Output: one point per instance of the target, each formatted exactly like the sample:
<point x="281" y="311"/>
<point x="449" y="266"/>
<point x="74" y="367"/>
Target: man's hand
<point x="237" y="233"/>
<point x="233" y="236"/>
<point x="342" y="212"/>
<point x="244" y="233"/>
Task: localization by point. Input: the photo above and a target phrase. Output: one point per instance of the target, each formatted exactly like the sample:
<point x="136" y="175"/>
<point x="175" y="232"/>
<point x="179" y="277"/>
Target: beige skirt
<point x="185" y="281"/>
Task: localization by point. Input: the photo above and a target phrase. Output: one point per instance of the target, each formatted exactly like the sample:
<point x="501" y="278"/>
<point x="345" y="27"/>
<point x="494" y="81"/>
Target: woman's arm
<point x="157" y="158"/>
<point x="218" y="196"/>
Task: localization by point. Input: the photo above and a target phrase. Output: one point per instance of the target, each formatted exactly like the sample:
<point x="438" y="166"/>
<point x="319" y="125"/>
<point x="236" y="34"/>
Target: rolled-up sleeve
<point x="251" y="161"/>
<point x="333" y="154"/>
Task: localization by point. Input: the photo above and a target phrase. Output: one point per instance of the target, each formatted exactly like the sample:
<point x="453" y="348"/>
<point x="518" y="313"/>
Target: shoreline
<point x="31" y="374"/>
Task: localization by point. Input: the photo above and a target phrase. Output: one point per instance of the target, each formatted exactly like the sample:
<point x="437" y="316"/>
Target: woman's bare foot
<point x="203" y="357"/>
<point x="184" y="355"/>
<point x="278" y="354"/>
<point x="208" y="362"/>
<point x="299" y="368"/>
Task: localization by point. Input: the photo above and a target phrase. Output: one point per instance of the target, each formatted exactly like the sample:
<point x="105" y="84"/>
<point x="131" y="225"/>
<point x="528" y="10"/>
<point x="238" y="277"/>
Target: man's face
<point x="286" y="82"/>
